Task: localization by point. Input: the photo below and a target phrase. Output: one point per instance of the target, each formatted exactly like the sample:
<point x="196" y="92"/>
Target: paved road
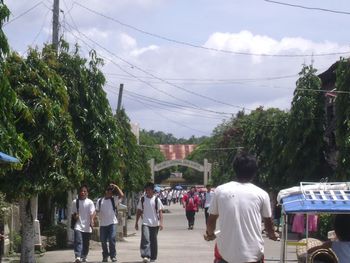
<point x="176" y="244"/>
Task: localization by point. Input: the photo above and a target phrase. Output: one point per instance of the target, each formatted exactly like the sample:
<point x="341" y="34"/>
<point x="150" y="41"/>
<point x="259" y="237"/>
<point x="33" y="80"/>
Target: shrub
<point x="325" y="225"/>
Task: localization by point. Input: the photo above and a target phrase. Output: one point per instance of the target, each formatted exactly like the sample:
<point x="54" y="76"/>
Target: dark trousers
<point x="190" y="217"/>
<point x="149" y="242"/>
<point x="206" y="214"/>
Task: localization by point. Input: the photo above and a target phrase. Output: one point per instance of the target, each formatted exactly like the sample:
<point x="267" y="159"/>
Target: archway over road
<point x="205" y="167"/>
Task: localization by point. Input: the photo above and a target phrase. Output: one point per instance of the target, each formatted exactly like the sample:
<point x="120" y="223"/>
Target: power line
<point x="309" y="8"/>
<point x="172" y="121"/>
<point x="23" y="14"/>
<point x="166" y="104"/>
<point x="213" y="80"/>
<point x="150" y="74"/>
<point x="41" y="28"/>
<point x="171" y="106"/>
<point x="203" y="47"/>
<point x="158" y="78"/>
<point x="133" y="98"/>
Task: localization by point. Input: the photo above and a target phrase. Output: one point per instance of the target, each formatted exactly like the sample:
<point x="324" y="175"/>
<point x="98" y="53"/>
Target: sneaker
<point x="83" y="260"/>
<point x="77" y="260"/>
<point x="145" y="260"/>
<point x="105" y="260"/>
<point x="153" y="260"/>
<point x="114" y="259"/>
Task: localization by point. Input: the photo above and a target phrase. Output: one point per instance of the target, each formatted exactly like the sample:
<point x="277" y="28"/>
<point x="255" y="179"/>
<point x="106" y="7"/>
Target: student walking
<point x="240" y="207"/>
<point x="208" y="196"/>
<point x="191" y="203"/>
<point x="83" y="211"/>
<point x="107" y="213"/>
<point x="150" y="208"/>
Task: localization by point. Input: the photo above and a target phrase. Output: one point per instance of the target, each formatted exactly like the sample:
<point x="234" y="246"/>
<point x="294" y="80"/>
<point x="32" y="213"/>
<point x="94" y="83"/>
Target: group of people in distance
<point x="239" y="206"/>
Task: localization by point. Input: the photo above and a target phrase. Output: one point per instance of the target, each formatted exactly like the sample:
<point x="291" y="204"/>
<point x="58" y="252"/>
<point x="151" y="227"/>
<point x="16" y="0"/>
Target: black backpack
<point x="113" y="204"/>
<point x="73" y="219"/>
<point x="155" y="205"/>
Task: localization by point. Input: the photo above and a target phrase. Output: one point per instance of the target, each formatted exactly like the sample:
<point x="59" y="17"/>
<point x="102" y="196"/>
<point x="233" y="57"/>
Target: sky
<point x="189" y="65"/>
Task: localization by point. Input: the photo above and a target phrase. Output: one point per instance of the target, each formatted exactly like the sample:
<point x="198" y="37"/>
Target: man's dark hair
<point x="84" y="186"/>
<point x="245" y="166"/>
<point x="149" y="185"/>
<point x="342" y="227"/>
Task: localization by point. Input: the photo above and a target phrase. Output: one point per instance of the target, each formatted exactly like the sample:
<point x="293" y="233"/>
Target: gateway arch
<point x="205" y="167"/>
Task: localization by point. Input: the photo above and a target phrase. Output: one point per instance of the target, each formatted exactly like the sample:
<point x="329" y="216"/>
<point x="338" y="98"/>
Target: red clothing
<point x="191" y="202"/>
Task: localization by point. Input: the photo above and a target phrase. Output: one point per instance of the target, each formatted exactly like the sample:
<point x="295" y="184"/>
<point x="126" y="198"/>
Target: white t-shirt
<point x="150" y="216"/>
<point x="208" y="197"/>
<point x="106" y="214"/>
<point x="86" y="209"/>
<point x="241" y="207"/>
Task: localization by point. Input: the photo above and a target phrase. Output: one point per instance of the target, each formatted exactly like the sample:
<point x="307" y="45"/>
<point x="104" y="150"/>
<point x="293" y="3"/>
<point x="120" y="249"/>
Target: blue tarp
<point x="7" y="158"/>
<point x="334" y="202"/>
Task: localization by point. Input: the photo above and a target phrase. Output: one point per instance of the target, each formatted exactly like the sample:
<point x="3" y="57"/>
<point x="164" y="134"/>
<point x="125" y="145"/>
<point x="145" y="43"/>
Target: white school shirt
<point x="106" y="214"/>
<point x="86" y="209"/>
<point x="208" y="197"/>
<point x="241" y="207"/>
<point x="150" y="217"/>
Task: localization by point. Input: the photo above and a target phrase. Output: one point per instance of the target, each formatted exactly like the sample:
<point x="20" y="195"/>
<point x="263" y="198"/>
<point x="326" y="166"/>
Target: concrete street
<point x="176" y="244"/>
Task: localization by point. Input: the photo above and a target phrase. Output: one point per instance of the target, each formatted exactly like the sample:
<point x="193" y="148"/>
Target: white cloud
<point x="246" y="41"/>
<point x="127" y="42"/>
<point x="178" y="63"/>
<point x="138" y="52"/>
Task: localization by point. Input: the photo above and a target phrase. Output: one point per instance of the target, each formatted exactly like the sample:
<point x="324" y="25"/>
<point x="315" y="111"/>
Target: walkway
<point x="176" y="244"/>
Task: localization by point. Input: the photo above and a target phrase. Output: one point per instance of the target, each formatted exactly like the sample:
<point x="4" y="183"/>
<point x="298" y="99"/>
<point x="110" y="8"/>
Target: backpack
<point x="190" y="203"/>
<point x="155" y="205"/>
<point x="113" y="204"/>
<point x="73" y="219"/>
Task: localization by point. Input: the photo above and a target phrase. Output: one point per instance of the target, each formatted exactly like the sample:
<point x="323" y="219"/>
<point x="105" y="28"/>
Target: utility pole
<point x="120" y="97"/>
<point x="55" y="23"/>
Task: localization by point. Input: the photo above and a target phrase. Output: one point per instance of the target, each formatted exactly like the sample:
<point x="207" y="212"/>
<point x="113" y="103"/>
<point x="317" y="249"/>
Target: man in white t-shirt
<point x="150" y="208"/>
<point x="107" y="213"/>
<point x="84" y="212"/>
<point x="241" y="207"/>
<point x="208" y="196"/>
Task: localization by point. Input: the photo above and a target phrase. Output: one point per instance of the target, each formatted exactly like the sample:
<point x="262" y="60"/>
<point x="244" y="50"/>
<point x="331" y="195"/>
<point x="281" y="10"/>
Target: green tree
<point x="47" y="127"/>
<point x="304" y="151"/>
<point x="93" y="120"/>
<point x="221" y="148"/>
<point x="343" y="119"/>
<point x="264" y="136"/>
<point x="11" y="141"/>
<point x="135" y="169"/>
<point x="150" y="148"/>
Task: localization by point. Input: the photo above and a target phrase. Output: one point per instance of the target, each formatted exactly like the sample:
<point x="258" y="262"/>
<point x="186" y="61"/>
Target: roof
<point x="299" y="203"/>
<point x="328" y="198"/>
<point x="176" y="151"/>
